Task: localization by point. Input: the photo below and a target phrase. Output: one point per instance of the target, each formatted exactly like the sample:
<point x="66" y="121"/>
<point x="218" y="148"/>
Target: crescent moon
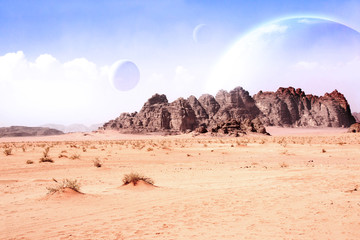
<point x="196" y="32"/>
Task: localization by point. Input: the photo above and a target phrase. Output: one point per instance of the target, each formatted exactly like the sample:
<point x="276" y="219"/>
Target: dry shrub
<point x="97" y="163"/>
<point x="46" y="157"/>
<point x="75" y="156"/>
<point x="284" y="165"/>
<point x="135" y="177"/>
<point x="29" y="162"/>
<point x="8" y="151"/>
<point x="65" y="183"/>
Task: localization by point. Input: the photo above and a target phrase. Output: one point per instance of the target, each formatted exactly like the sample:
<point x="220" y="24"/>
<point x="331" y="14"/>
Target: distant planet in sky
<point x="315" y="54"/>
<point x="124" y="75"/>
<point x="202" y="34"/>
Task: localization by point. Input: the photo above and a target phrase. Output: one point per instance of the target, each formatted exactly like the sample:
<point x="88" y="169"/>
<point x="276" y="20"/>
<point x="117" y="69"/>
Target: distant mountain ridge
<point x="22" y="131"/>
<point x="73" y="127"/>
<point x="288" y="107"/>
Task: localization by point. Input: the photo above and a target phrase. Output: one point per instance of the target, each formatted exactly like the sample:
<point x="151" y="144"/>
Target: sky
<point x="56" y="56"/>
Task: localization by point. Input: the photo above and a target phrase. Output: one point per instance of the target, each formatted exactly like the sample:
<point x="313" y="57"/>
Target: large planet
<point x="124" y="75"/>
<point x="315" y="54"/>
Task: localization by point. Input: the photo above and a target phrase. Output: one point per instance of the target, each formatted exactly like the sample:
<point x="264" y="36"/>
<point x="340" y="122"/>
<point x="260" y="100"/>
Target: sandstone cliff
<point x="290" y="107"/>
<point x="236" y="112"/>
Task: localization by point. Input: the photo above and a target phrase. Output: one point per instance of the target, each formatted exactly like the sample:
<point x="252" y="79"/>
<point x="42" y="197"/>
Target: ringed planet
<point x="314" y="54"/>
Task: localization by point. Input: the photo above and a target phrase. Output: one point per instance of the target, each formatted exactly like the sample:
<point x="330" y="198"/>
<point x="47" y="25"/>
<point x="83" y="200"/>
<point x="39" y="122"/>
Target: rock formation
<point x="290" y="107"/>
<point x="354" y="128"/>
<point x="236" y="112"/>
<point x="20" y="131"/>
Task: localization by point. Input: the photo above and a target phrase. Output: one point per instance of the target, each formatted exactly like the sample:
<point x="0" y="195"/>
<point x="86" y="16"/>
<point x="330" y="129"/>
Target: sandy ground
<point x="296" y="184"/>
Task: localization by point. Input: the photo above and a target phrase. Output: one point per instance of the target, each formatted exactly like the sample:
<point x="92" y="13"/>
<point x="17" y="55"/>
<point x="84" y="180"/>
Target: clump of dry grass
<point x="135" y="177"/>
<point x="29" y="162"/>
<point x="46" y="157"/>
<point x="284" y="165"/>
<point x="97" y="163"/>
<point x="75" y="156"/>
<point x="8" y="151"/>
<point x="65" y="183"/>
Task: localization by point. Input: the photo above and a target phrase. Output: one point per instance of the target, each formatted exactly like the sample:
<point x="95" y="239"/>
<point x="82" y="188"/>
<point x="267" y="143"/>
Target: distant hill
<point x="21" y="131"/>
<point x="73" y="127"/>
<point x="356" y="116"/>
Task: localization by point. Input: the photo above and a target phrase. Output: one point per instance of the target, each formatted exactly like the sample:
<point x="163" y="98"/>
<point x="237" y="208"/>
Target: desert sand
<point x="295" y="184"/>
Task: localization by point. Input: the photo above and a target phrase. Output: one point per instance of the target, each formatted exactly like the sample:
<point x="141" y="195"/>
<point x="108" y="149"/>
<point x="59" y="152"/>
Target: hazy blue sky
<point x="55" y="56"/>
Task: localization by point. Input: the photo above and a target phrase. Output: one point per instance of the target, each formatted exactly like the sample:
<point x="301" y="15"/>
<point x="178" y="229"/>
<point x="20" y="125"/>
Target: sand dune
<point x="292" y="185"/>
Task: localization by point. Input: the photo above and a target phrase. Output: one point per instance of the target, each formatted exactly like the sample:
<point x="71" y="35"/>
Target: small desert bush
<point x="29" y="162"/>
<point x="65" y="183"/>
<point x="46" y="157"/>
<point x="284" y="165"/>
<point x="7" y="151"/>
<point x="135" y="177"/>
<point x="97" y="163"/>
<point x="75" y="156"/>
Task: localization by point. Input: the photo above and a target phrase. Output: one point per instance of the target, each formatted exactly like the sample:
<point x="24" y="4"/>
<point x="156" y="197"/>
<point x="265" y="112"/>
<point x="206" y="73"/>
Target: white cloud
<point x="272" y="28"/>
<point x="45" y="61"/>
<point x="179" y="70"/>
<point x="46" y="88"/>
<point x="308" y="21"/>
<point x="80" y="69"/>
<point x="10" y="63"/>
<point x="306" y="65"/>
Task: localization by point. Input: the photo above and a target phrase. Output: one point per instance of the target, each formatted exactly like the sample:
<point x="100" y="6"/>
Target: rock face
<point x="236" y="112"/>
<point x="157" y="115"/>
<point x="356" y="116"/>
<point x="354" y="128"/>
<point x="20" y="131"/>
<point x="292" y="107"/>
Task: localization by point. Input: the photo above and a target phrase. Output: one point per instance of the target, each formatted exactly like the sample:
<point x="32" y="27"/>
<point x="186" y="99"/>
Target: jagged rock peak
<point x="157" y="99"/>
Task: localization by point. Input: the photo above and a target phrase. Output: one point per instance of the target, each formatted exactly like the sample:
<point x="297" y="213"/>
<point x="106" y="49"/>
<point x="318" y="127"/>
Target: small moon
<point x="124" y="75"/>
<point x="196" y="32"/>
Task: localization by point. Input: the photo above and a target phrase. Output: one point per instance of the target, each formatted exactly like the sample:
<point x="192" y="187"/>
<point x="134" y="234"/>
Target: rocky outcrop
<point x="236" y="104"/>
<point x="354" y="128"/>
<point x="21" y="131"/>
<point x="236" y="112"/>
<point x="239" y="127"/>
<point x="157" y="115"/>
<point x="292" y="107"/>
